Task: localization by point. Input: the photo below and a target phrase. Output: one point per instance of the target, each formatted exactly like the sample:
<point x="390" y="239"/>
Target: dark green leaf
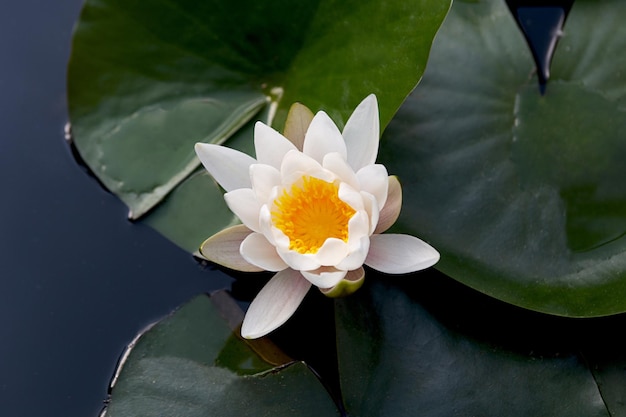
<point x="396" y="359"/>
<point x="522" y="194"/>
<point x="191" y="364"/>
<point x="147" y="80"/>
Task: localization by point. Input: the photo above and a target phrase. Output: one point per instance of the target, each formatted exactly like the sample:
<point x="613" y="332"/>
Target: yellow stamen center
<point x="311" y="212"/>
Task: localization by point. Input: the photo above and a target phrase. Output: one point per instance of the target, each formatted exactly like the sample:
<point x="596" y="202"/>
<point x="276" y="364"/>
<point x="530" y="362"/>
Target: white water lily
<point x="314" y="215"/>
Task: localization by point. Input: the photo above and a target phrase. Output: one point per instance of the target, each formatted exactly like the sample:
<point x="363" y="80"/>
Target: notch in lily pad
<point x="541" y="22"/>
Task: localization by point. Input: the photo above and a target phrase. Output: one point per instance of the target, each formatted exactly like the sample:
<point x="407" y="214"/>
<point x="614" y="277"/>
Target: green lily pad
<point x="191" y="364"/>
<point x="148" y="80"/>
<point x="522" y="194"/>
<point x="196" y="209"/>
<point x="396" y="359"/>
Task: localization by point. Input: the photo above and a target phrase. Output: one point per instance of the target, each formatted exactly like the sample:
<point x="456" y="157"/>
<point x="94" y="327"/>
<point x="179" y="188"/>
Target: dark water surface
<point x="77" y="280"/>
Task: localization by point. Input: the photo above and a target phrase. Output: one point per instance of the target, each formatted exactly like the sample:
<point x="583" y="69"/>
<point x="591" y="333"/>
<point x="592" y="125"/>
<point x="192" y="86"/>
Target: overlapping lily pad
<point x="400" y="349"/>
<point x="192" y="364"/>
<point x="147" y="80"/>
<point x="396" y="359"/>
<point x="523" y="194"/>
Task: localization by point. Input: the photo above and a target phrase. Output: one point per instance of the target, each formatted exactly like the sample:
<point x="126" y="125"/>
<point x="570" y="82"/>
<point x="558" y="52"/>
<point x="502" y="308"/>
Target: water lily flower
<point x="313" y="212"/>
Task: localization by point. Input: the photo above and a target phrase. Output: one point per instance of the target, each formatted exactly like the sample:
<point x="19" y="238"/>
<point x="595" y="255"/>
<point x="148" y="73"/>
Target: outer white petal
<point x="323" y="137"/>
<point x="258" y="251"/>
<point x="244" y="204"/>
<point x="338" y="165"/>
<point x="375" y="180"/>
<point x="331" y="252"/>
<point x="362" y="133"/>
<point x="275" y="303"/>
<point x="270" y="146"/>
<point x="223" y="249"/>
<point x="324" y="277"/>
<point x="390" y="212"/>
<point x="399" y="254"/>
<point x="264" y="178"/>
<point x="229" y="167"/>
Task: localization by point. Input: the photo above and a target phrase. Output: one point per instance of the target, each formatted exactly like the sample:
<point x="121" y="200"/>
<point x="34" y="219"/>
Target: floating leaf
<point x="522" y="194"/>
<point x="396" y="359"/>
<point x="192" y="364"/>
<point x="148" y="80"/>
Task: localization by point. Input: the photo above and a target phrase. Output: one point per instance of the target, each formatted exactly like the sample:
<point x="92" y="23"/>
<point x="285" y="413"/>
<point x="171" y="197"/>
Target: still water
<point x="78" y="281"/>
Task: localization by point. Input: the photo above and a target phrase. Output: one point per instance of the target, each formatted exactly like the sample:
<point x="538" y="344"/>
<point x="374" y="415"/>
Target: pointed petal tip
<point x="371" y="98"/>
<point x="229" y="167"/>
<point x="223" y="249"/>
<point x="400" y="254"/>
<point x="274" y="304"/>
<point x="247" y="334"/>
<point x="362" y="133"/>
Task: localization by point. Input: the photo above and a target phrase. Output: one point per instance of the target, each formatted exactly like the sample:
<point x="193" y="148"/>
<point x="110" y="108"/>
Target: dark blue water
<point x="77" y="280"/>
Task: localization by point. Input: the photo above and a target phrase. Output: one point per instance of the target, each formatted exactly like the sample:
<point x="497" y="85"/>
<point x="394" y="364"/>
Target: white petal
<point x="244" y="204"/>
<point x="358" y="226"/>
<point x="390" y="212"/>
<point x="358" y="252"/>
<point x="371" y="207"/>
<point x="338" y="165"/>
<point x="229" y="167"/>
<point x="223" y="249"/>
<point x="270" y="146"/>
<point x="296" y="164"/>
<point x="362" y="133"/>
<point x="274" y="304"/>
<point x="264" y="178"/>
<point x="331" y="252"/>
<point x="298" y="261"/>
<point x="265" y="224"/>
<point x="350" y="196"/>
<point x="399" y="254"/>
<point x="279" y="239"/>
<point x="358" y="242"/>
<point x="375" y="180"/>
<point x="258" y="251"/>
<point x="323" y="137"/>
<point x="324" y="277"/>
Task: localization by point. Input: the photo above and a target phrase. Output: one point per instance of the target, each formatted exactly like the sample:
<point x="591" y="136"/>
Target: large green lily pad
<point x="147" y="80"/>
<point x="192" y="364"/>
<point x="396" y="359"/>
<point x="523" y="194"/>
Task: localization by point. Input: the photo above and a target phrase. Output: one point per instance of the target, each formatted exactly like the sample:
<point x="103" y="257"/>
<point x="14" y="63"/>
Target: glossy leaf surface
<point x="395" y="357"/>
<point x="147" y="80"/>
<point x="191" y="364"/>
<point x="523" y="194"/>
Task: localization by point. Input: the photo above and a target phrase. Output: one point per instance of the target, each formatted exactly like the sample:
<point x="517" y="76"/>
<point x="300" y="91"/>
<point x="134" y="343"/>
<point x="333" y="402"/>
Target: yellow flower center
<point x="311" y="212"/>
